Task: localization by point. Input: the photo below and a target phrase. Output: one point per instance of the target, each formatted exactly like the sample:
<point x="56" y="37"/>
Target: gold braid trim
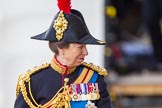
<point x="61" y="98"/>
<point x="25" y="77"/>
<point x="100" y="70"/>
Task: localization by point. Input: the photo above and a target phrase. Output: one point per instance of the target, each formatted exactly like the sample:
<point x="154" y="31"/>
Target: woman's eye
<point x="79" y="46"/>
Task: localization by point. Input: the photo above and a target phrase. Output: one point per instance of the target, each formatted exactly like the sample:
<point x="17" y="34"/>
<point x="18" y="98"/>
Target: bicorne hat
<point x="68" y="26"/>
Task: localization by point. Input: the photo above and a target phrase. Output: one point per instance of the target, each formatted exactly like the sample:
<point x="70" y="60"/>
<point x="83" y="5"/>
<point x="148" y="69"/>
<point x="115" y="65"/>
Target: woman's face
<point x="73" y="55"/>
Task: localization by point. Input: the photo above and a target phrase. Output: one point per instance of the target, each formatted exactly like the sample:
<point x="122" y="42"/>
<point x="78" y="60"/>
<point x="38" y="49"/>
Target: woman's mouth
<point x="82" y="59"/>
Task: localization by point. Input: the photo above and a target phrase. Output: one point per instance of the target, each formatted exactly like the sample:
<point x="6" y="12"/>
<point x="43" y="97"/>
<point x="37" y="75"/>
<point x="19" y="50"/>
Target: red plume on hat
<point x="64" y="5"/>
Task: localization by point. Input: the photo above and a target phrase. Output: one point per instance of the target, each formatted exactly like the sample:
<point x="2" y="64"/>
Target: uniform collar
<point x="58" y="67"/>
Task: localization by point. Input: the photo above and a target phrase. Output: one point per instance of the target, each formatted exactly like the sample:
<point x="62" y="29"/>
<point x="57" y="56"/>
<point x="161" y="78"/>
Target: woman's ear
<point x="60" y="50"/>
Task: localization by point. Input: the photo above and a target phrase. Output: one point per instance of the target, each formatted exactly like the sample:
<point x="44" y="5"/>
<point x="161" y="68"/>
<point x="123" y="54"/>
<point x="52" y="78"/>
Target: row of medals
<point x="84" y="91"/>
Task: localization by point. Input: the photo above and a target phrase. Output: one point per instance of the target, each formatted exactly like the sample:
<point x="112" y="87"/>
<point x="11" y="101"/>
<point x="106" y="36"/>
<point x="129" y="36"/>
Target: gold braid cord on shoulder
<point x="61" y="98"/>
<point x="100" y="70"/>
<point x="25" y="78"/>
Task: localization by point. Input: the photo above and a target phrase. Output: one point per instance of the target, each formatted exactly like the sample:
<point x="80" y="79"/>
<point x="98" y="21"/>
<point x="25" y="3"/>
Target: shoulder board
<point x="100" y="70"/>
<point x="25" y="77"/>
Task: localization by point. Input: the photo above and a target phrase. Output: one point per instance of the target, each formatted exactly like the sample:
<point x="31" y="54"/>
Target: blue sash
<point x="81" y="104"/>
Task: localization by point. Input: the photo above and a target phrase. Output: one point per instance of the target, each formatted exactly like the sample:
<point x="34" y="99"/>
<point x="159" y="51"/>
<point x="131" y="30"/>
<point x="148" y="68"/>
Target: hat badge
<point x="60" y="25"/>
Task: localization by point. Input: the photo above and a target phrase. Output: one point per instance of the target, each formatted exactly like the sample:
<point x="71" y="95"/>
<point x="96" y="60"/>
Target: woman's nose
<point x="85" y="51"/>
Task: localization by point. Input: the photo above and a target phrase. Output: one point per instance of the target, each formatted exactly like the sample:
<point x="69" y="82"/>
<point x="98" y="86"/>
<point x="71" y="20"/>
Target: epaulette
<point x="100" y="70"/>
<point x="25" y="78"/>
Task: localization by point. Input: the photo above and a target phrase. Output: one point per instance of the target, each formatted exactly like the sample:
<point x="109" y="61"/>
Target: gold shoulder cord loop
<point x="25" y="77"/>
<point x="100" y="70"/>
<point x="32" y="95"/>
<point x="61" y="98"/>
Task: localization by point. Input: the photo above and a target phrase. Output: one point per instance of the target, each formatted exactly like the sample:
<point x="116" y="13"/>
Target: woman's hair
<point x="55" y="45"/>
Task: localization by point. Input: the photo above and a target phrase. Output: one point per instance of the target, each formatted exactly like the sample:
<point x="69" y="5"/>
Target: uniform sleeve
<point x="20" y="102"/>
<point x="104" y="101"/>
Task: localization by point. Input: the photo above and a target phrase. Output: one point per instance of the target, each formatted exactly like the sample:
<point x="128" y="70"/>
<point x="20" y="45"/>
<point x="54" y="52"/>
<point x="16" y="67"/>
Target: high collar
<point x="60" y="68"/>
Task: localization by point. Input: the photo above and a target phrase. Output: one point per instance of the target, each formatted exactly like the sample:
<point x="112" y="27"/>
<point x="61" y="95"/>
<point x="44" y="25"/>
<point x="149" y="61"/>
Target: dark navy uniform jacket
<point x="39" y="86"/>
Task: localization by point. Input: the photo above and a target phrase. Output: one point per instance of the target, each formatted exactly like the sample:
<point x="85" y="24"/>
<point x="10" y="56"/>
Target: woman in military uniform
<point x="66" y="82"/>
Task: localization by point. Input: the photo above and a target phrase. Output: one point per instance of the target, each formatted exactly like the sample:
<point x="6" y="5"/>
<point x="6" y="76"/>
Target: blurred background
<point x="132" y="55"/>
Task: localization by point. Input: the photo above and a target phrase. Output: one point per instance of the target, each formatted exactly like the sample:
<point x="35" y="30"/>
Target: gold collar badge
<point x="60" y="25"/>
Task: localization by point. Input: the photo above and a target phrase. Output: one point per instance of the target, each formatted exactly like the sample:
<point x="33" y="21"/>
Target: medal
<point x="98" y="95"/>
<point x="93" y="96"/>
<point x="87" y="96"/>
<point x="73" y="88"/>
<point x="78" y="88"/>
<point x="82" y="88"/>
<point x="75" y="97"/>
<point x="96" y="87"/>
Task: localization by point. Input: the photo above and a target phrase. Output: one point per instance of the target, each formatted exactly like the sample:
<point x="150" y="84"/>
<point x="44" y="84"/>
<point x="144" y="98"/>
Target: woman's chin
<point x="79" y="63"/>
